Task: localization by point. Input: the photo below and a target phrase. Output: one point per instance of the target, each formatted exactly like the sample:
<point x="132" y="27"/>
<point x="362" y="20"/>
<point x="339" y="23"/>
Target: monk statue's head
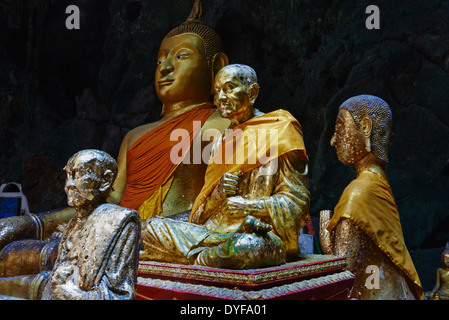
<point x="189" y="57"/>
<point x="363" y="126"/>
<point x="235" y="92"/>
<point x="90" y="175"/>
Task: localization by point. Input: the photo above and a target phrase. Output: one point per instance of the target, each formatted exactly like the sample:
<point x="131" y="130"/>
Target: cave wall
<point x="64" y="90"/>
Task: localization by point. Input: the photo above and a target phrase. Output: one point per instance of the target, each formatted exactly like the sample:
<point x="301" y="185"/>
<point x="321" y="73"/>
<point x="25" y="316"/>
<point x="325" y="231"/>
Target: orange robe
<point x="369" y="203"/>
<point x="288" y="137"/>
<point x="148" y="162"/>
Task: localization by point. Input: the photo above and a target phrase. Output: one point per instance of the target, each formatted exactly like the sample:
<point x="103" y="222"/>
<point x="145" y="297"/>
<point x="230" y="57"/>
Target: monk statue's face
<point x="348" y="139"/>
<point x="182" y="72"/>
<point x="233" y="95"/>
<point x="85" y="181"/>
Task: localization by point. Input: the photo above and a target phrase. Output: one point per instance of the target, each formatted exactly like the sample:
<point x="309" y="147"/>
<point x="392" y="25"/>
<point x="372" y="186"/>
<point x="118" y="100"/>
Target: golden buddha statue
<point x="149" y="182"/>
<point x="98" y="254"/>
<point x="365" y="227"/>
<point x="441" y="289"/>
<point x="189" y="57"/>
<point x="248" y="213"/>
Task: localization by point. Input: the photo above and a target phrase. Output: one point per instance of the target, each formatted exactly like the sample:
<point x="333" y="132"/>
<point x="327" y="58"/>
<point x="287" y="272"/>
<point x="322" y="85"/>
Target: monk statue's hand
<point x="238" y="206"/>
<point x="228" y="185"/>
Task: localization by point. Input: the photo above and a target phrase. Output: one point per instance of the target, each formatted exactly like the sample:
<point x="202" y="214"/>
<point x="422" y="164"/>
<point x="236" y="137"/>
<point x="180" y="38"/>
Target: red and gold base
<point x="311" y="277"/>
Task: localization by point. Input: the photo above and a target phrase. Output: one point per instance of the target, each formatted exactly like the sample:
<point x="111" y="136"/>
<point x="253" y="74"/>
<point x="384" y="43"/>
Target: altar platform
<point x="313" y="276"/>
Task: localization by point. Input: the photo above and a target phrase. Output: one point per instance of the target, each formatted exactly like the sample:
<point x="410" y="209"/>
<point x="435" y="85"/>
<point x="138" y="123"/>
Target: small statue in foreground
<point x="252" y="205"/>
<point x="365" y="227"/>
<point x="441" y="289"/>
<point x="98" y="253"/>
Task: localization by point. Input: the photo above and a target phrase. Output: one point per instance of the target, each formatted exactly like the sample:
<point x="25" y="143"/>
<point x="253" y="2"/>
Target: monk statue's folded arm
<point x="287" y="208"/>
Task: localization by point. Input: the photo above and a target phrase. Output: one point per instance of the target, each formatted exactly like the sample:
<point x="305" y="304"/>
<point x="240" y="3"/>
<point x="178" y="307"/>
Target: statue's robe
<point x="277" y="179"/>
<point x="150" y="169"/>
<point x="368" y="203"/>
<point x="98" y="255"/>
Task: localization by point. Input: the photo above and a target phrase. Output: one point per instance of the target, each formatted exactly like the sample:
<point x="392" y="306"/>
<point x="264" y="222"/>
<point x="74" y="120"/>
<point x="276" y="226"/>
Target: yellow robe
<point x="369" y="203"/>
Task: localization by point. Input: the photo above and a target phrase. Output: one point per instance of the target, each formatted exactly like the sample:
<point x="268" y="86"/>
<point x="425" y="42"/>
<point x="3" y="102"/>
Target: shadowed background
<point x="65" y="90"/>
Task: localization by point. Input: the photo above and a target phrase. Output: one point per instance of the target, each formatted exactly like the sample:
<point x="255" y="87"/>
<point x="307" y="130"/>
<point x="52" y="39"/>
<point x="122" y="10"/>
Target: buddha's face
<point x="231" y="94"/>
<point x="83" y="181"/>
<point x="348" y="139"/>
<point x="182" y="72"/>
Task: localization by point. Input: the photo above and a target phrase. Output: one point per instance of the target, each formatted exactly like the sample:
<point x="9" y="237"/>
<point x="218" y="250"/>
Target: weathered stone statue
<point x="252" y="205"/>
<point x="149" y="180"/>
<point x="365" y="227"/>
<point x="98" y="253"/>
<point x="441" y="289"/>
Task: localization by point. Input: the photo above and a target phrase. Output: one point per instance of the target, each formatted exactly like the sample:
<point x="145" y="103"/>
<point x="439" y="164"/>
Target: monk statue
<point x="252" y="205"/>
<point x="148" y="181"/>
<point x="441" y="289"/>
<point x="98" y="254"/>
<point x="365" y="227"/>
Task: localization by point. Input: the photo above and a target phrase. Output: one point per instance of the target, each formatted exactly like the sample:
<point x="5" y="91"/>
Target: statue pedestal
<point x="313" y="276"/>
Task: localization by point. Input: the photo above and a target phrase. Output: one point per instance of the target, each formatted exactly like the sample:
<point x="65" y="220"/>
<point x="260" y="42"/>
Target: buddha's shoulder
<point x="134" y="134"/>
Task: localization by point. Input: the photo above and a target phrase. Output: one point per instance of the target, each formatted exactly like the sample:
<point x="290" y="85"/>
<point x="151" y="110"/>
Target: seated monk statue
<point x="252" y="205"/>
<point x="365" y="227"/>
<point x="98" y="254"/>
<point x="441" y="289"/>
<point x="148" y="181"/>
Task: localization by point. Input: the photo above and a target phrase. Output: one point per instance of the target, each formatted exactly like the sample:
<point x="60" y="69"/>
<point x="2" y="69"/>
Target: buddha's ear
<point x="219" y="61"/>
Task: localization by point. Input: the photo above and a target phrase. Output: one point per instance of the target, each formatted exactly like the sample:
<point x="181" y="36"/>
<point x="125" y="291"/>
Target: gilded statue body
<point x="365" y="227"/>
<point x="441" y="289"/>
<point x="98" y="254"/>
<point x="248" y="213"/>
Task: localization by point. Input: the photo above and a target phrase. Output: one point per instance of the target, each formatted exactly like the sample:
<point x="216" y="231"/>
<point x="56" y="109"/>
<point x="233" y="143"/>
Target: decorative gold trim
<point x="236" y="294"/>
<point x="309" y="264"/>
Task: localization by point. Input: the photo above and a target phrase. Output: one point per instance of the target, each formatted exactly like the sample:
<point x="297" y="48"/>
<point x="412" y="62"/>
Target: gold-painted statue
<point x="365" y="227"/>
<point x="441" y="289"/>
<point x="99" y="251"/>
<point x="254" y="200"/>
<point x="149" y="180"/>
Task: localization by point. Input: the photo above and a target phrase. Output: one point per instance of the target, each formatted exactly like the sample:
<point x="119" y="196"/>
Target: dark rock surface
<point x="65" y="90"/>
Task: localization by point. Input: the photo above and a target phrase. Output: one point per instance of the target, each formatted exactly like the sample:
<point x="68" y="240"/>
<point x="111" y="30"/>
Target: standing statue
<point x="148" y="180"/>
<point x="252" y="205"/>
<point x="441" y="289"/>
<point x="365" y="226"/>
<point x="98" y="254"/>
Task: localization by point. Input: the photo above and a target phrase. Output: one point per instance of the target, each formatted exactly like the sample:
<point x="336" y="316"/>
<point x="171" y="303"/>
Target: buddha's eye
<point x="181" y="56"/>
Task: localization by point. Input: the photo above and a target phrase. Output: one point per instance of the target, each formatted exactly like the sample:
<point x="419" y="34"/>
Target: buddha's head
<point x="90" y="175"/>
<point x="363" y="126"/>
<point x="235" y="92"/>
<point x="189" y="57"/>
